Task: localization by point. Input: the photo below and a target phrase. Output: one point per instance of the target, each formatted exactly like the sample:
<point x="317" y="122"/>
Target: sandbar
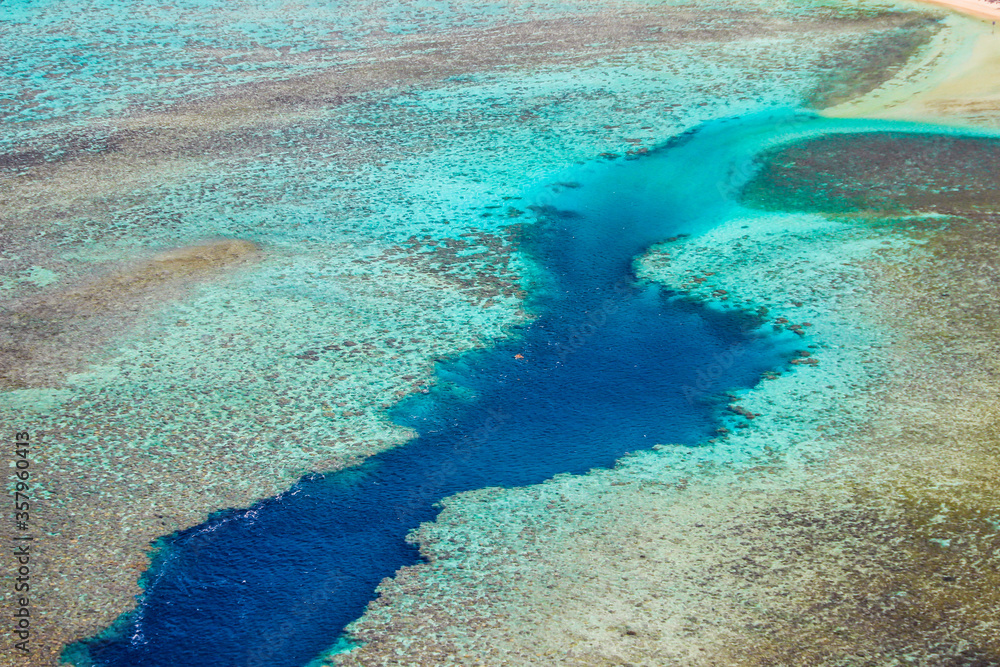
<point x="980" y="8"/>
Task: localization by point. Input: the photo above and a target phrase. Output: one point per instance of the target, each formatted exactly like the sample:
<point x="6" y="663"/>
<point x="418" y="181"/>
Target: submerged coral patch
<point x="885" y="173"/>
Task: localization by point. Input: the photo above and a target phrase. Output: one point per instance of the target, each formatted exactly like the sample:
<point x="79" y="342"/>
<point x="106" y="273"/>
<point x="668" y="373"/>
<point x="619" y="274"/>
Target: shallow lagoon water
<point x="601" y="371"/>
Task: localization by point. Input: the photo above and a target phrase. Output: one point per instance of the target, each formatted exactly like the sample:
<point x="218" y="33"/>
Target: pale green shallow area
<point x="229" y="391"/>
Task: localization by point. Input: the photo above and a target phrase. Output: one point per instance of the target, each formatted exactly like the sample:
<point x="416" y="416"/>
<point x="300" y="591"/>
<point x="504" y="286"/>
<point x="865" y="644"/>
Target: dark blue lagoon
<point x="598" y="373"/>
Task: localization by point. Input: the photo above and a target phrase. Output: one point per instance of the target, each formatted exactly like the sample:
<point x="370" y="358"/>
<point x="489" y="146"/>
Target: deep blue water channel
<point x="603" y="368"/>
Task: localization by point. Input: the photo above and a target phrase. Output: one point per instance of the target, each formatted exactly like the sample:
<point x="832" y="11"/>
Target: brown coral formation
<point x="477" y="263"/>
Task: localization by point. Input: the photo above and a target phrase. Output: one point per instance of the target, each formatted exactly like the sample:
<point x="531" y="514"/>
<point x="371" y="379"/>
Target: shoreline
<point x="942" y="84"/>
<point x="978" y="8"/>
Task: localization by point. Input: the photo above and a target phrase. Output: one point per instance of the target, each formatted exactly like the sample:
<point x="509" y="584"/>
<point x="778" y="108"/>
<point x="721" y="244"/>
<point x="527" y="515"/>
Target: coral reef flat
<point x="851" y="521"/>
<point x="234" y="238"/>
<point x="846" y="513"/>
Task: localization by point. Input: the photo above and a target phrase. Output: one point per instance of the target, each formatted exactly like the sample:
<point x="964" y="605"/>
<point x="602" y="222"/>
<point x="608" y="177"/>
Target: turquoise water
<point x="600" y="372"/>
<point x="603" y="360"/>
